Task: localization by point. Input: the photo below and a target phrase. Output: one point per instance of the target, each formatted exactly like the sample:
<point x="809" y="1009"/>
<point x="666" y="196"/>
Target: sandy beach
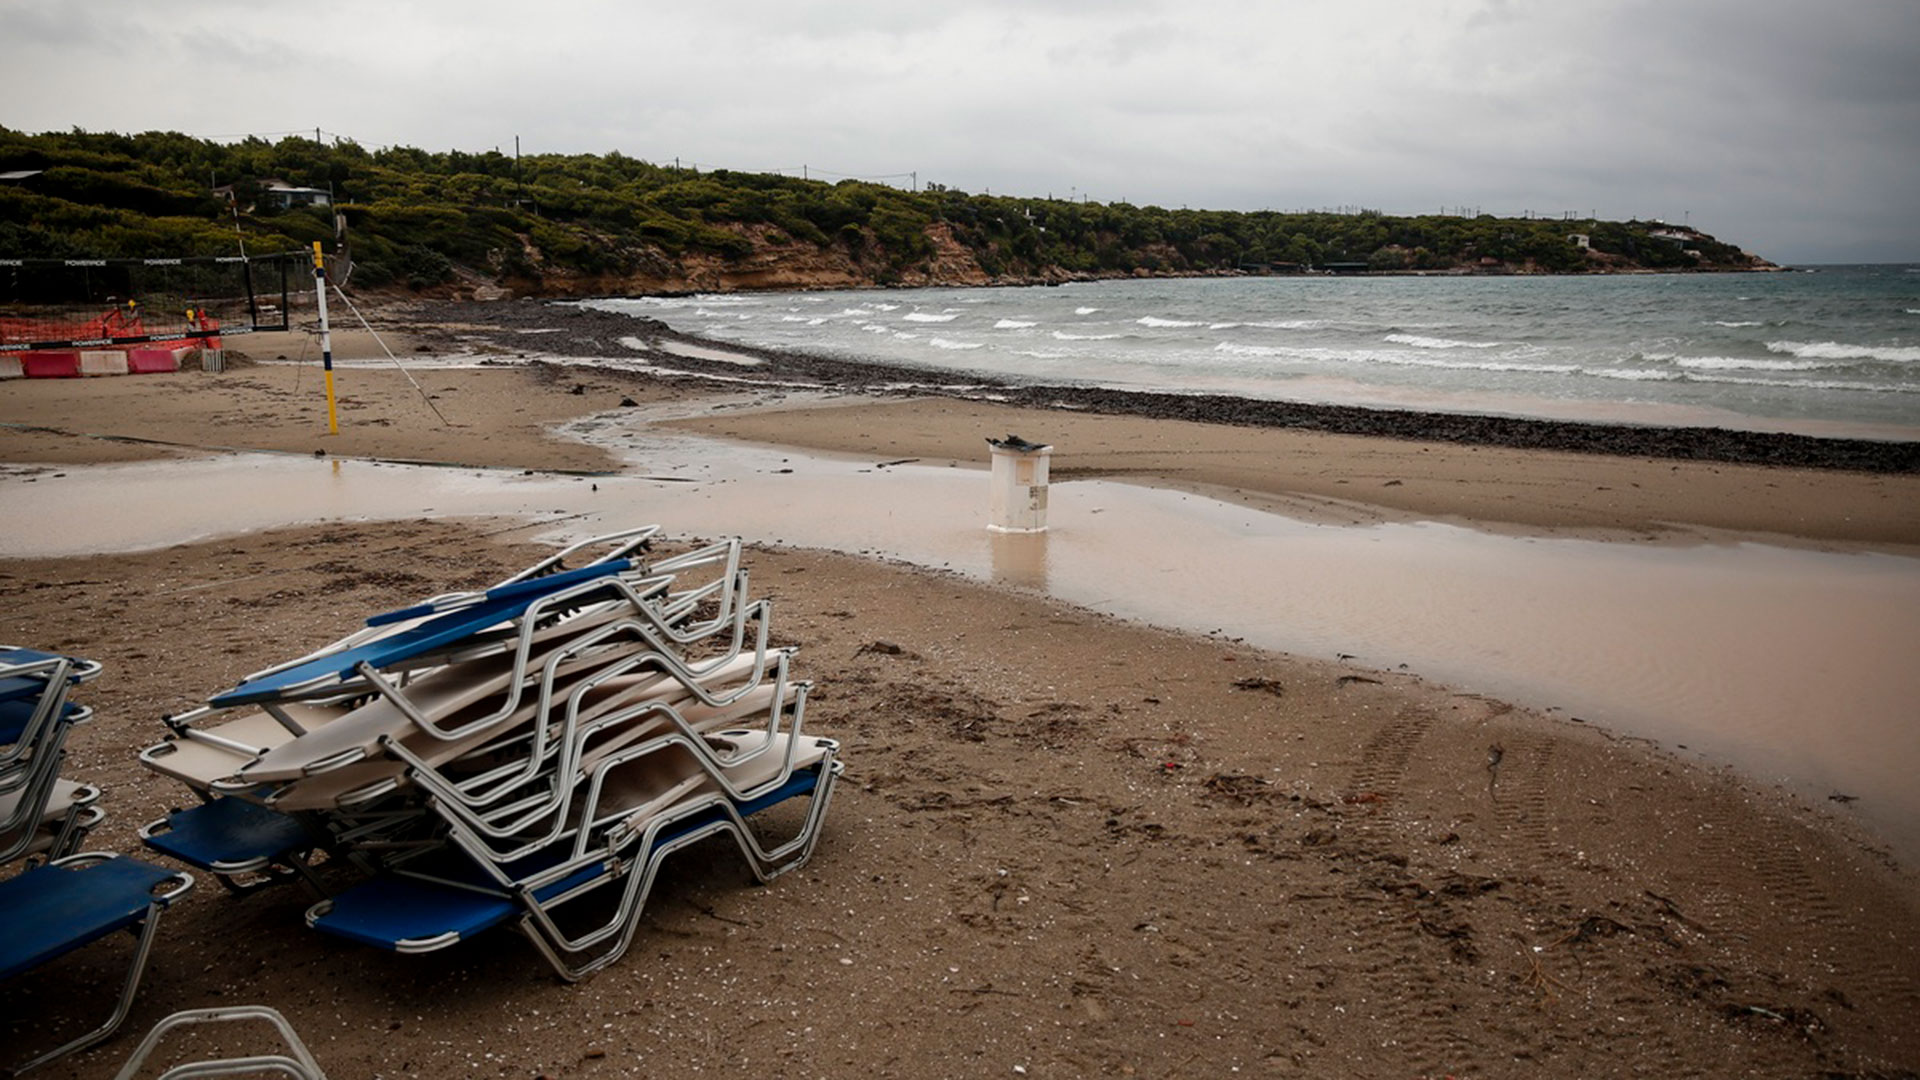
<point x="1067" y="844"/>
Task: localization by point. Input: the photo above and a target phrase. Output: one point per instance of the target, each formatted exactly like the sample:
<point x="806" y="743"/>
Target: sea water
<point x="1832" y="350"/>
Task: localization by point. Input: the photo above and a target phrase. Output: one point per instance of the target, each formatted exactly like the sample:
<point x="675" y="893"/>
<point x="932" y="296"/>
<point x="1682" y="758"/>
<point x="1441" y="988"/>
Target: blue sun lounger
<point x="40" y="814"/>
<point x="231" y="837"/>
<point x="33" y="704"/>
<point x="442" y="628"/>
<point x="453" y="898"/>
<point x="52" y="910"/>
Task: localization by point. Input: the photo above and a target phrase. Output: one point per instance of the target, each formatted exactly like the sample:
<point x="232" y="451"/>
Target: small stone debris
<point x="881" y="647"/>
<point x="1261" y="682"/>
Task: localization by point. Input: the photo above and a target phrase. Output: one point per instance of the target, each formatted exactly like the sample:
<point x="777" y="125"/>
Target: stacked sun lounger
<point x="41" y="815"/>
<point x="528" y="754"/>
<point x="63" y="899"/>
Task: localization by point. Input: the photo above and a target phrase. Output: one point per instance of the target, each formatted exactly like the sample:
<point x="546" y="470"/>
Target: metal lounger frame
<point x="298" y="1063"/>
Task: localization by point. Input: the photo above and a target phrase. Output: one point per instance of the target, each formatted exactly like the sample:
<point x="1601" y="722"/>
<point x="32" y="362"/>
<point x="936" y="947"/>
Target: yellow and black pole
<point x="326" y="339"/>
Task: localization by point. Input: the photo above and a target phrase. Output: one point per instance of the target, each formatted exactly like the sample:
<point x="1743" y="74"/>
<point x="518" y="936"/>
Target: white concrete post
<point x="1018" y="500"/>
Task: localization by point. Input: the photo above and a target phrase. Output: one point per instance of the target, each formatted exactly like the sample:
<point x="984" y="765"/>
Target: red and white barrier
<point x="103" y="362"/>
<point x="152" y="361"/>
<point x="50" y="365"/>
<point x="71" y="364"/>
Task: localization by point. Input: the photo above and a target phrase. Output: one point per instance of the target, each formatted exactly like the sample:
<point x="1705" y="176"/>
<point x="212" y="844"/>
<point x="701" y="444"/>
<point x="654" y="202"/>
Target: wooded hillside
<point x="572" y="224"/>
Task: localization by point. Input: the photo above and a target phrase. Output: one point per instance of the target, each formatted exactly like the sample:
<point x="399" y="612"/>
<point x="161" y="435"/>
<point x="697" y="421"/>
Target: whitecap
<point x="1812" y="384"/>
<point x="922" y="316"/>
<point x="1085" y="310"/>
<point x="1738" y="363"/>
<point x="1013" y="324"/>
<point x="1735" y="323"/>
<point x="1419" y="342"/>
<point x="1834" y="350"/>
<point x="1633" y="374"/>
<point x="1257" y="350"/>
<point x="943" y="343"/>
<point x="1291" y="324"/>
<point x="1062" y="335"/>
<point x="1149" y="320"/>
<point x="1395" y="357"/>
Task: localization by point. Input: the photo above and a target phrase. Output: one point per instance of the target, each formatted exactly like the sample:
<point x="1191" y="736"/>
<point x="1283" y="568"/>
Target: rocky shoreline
<point x="583" y="332"/>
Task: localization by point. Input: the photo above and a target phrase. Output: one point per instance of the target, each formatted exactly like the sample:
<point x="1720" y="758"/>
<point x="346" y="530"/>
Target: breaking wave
<point x="1737" y="363"/>
<point x="1633" y="374"/>
<point x="1395" y="357"/>
<point x="1419" y="342"/>
<point x="1834" y="350"/>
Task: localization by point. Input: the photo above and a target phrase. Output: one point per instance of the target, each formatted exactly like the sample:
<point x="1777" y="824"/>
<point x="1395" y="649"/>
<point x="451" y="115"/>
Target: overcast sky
<point x="1789" y="127"/>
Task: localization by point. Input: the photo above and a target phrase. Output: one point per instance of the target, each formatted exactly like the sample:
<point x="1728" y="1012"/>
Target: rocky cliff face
<point x="775" y="261"/>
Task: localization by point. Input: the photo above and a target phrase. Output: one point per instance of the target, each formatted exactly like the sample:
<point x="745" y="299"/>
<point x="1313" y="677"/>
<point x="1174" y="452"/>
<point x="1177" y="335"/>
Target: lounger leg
<point x="299" y="1063"/>
<point x="538" y="925"/>
<point x="120" y="1010"/>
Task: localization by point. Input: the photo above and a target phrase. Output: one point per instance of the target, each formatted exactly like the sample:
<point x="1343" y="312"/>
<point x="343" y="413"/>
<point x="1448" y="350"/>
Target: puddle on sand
<point x="84" y="510"/>
<point x="1797" y="666"/>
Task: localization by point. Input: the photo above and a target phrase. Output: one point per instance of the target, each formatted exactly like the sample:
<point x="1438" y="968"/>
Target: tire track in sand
<point x="1417" y="1015"/>
<point x="1765" y="898"/>
<point x="1576" y="950"/>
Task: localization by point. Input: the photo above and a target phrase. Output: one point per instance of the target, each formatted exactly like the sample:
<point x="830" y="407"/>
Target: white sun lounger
<point x="519" y="822"/>
<point x="66" y="815"/>
<point x="384" y="769"/>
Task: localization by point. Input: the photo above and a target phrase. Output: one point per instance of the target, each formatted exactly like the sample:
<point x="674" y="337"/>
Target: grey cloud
<point x="1785" y="125"/>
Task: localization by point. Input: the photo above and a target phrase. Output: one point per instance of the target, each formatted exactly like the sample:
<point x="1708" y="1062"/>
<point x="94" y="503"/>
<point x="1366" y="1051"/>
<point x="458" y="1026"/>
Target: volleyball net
<point x="107" y="303"/>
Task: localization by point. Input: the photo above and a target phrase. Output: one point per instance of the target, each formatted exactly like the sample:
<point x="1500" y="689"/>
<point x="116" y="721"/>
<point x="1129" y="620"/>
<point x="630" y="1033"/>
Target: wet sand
<point x="1788" y="662"/>
<point x="471" y="415"/>
<point x="1067" y="842"/>
<point x="1357" y="480"/>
